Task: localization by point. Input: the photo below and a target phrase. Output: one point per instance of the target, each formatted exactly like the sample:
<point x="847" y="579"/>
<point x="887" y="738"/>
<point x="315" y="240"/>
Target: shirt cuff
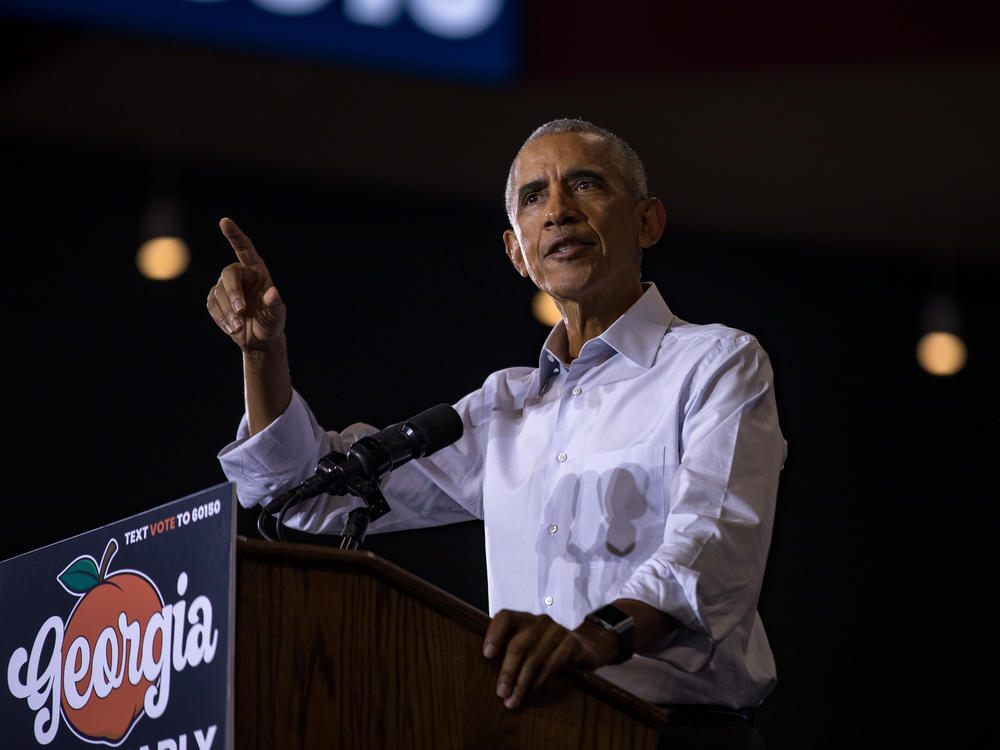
<point x="281" y="455"/>
<point x="688" y="648"/>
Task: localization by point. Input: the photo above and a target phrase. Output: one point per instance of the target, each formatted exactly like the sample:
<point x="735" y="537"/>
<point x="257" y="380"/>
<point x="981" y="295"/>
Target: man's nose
<point x="561" y="209"/>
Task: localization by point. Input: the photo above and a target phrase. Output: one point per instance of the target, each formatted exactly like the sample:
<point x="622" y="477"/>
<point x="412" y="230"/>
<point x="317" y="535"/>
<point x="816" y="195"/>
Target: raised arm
<point x="246" y="305"/>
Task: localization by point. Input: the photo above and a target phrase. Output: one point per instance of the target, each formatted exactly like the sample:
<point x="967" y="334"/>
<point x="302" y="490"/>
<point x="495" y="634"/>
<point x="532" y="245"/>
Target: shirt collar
<point x="635" y="335"/>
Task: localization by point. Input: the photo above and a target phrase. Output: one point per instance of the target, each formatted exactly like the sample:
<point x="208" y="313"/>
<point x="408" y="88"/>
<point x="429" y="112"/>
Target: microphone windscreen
<point x="435" y="428"/>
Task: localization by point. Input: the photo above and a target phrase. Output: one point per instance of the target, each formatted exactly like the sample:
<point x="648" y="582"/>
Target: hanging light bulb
<point x="163" y="258"/>
<point x="941" y="350"/>
<point x="544" y="309"/>
<point x="163" y="255"/>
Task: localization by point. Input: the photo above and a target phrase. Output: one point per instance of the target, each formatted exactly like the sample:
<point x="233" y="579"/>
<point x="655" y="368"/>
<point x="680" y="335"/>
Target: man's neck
<point x="587" y="319"/>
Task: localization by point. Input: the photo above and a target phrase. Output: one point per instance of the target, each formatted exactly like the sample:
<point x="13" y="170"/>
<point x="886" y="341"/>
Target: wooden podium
<point x="346" y="650"/>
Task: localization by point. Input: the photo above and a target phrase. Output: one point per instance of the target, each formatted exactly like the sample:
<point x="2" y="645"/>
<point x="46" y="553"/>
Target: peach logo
<point x="110" y="662"/>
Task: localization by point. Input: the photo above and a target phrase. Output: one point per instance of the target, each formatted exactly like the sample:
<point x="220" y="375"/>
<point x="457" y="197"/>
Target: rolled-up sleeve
<point x="279" y="456"/>
<point x="708" y="572"/>
<point x="287" y="451"/>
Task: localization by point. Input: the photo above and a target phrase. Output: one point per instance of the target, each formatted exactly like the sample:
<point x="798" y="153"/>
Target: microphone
<point x="372" y="458"/>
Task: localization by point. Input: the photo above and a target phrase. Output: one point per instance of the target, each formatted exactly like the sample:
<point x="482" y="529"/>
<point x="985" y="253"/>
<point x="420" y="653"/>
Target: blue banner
<point x="462" y="39"/>
<point x="123" y="636"/>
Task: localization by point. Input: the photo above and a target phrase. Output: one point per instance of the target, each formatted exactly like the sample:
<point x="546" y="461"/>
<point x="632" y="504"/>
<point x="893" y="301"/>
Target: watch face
<point x="611" y="618"/>
<point x="614" y="617"/>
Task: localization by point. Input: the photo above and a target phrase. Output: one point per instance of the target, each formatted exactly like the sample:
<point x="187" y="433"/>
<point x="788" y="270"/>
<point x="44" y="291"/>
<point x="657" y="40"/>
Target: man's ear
<point x="652" y="220"/>
<point x="514" y="252"/>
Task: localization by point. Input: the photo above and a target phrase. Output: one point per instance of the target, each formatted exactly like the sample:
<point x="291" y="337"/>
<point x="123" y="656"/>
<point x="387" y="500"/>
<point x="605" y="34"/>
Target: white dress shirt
<point x="645" y="469"/>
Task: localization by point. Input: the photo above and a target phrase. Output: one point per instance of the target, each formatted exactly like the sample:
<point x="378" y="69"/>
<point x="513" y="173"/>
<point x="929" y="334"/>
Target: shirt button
<point x="548" y="601"/>
<point x="577" y="390"/>
<point x="562" y="457"/>
<point x="552" y="529"/>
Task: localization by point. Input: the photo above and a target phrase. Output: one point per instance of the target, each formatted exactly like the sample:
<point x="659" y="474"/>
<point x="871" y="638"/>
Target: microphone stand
<point x="355" y="528"/>
<point x="358" y="519"/>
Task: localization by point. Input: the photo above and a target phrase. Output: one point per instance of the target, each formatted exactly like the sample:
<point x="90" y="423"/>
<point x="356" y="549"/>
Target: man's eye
<point x="532" y="198"/>
<point x="584" y="184"/>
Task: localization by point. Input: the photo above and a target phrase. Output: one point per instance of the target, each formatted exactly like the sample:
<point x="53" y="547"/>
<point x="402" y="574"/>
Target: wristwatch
<point x="618" y="622"/>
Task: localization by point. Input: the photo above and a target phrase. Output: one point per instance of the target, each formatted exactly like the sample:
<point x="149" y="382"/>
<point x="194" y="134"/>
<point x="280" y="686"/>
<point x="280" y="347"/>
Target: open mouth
<point x="567" y="247"/>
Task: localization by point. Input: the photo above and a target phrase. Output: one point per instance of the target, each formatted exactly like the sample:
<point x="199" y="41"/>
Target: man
<point x="636" y="467"/>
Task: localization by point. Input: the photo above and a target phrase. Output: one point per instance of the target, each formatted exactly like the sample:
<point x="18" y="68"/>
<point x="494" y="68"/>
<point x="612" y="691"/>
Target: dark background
<point x="825" y="171"/>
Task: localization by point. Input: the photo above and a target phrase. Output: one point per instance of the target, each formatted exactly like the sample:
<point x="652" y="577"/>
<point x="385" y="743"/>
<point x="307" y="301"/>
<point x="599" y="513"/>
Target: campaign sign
<point x="475" y="40"/>
<point x="123" y="636"/>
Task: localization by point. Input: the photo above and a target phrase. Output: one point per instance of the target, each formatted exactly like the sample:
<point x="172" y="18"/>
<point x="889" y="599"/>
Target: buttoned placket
<point x="566" y="380"/>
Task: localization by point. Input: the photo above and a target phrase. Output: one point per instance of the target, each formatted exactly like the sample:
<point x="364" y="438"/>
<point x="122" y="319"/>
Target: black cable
<point x="281" y="521"/>
<point x="260" y="526"/>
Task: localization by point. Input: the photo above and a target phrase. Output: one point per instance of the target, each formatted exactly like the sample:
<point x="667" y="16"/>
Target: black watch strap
<point x="621" y="624"/>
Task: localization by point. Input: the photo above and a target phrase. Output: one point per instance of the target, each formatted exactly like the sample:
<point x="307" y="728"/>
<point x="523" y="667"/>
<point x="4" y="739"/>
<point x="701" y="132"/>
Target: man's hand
<point x="534" y="647"/>
<point x="244" y="302"/>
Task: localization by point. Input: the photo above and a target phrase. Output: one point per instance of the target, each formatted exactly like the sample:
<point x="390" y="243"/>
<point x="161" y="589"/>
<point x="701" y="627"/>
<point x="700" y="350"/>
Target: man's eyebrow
<point x="528" y="188"/>
<point x="577" y="173"/>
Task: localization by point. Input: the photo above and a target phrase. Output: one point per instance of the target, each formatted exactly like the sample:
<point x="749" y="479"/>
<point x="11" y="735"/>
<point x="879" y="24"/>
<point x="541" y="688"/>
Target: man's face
<point x="578" y="231"/>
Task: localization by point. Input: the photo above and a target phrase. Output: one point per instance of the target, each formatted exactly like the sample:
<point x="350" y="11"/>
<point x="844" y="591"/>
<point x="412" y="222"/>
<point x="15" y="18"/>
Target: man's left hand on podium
<point x="534" y="647"/>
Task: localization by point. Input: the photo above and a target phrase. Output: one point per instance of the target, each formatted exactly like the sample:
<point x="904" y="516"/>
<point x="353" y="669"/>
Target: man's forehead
<point x="564" y="152"/>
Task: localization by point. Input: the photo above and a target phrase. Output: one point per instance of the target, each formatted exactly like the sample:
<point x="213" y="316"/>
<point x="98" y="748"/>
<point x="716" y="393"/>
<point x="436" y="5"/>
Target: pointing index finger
<point x="245" y="251"/>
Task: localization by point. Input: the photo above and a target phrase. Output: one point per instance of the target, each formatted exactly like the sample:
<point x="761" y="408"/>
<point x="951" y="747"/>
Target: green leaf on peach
<point x="80" y="576"/>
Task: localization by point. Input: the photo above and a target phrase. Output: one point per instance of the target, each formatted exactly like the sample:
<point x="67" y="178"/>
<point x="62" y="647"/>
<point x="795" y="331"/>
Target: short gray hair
<point x="630" y="163"/>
